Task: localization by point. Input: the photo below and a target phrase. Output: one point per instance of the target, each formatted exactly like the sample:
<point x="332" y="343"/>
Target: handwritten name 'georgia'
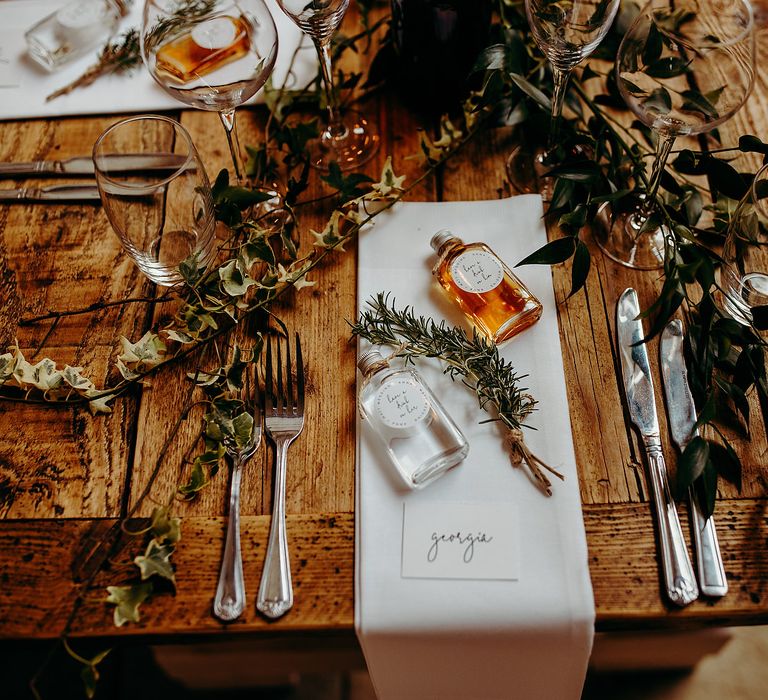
<point x="457" y="538"/>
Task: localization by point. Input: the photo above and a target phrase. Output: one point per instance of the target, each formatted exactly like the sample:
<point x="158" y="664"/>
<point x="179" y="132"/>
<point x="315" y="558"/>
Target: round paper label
<point x="477" y="271"/>
<point x="217" y="33"/>
<point x="77" y="15"/>
<point x="401" y="403"/>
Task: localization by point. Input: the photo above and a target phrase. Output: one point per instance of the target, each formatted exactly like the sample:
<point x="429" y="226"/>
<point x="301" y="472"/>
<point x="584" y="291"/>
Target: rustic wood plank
<point x="40" y="575"/>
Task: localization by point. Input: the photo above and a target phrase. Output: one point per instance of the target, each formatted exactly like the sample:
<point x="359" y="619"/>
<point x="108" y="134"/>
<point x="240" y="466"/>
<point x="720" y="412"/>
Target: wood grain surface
<point x="66" y="477"/>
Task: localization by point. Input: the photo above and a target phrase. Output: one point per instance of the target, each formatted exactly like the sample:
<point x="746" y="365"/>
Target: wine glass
<point x="684" y="67"/>
<point x="566" y="31"/>
<point x="347" y="143"/>
<point x="744" y="273"/>
<point x="210" y="54"/>
<point x="162" y="213"/>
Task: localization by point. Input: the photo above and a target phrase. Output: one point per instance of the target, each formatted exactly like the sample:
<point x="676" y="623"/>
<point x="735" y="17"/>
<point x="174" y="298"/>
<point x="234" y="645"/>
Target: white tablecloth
<point x="112" y="94"/>
<point x="453" y="639"/>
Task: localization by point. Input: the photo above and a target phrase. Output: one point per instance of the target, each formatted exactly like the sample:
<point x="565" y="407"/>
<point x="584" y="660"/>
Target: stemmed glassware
<point x="684" y="67"/>
<point x="567" y="32"/>
<point x="345" y="142"/>
<point x="210" y="54"/>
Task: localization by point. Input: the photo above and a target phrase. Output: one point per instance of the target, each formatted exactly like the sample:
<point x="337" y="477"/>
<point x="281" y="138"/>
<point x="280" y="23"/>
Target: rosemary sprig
<point x="475" y="360"/>
<point x="120" y="56"/>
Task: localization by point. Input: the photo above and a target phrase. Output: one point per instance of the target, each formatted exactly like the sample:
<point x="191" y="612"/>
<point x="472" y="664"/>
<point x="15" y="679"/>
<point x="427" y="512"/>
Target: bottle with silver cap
<point x="483" y="287"/>
<point x="420" y="438"/>
<point x="74" y="29"/>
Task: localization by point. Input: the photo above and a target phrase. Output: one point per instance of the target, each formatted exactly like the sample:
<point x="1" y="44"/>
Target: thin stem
<point x="560" y="77"/>
<point x="336" y="128"/>
<point x="663" y="147"/>
<point x="230" y="127"/>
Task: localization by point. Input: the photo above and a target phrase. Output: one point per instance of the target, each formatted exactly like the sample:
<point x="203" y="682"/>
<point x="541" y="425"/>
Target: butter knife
<point x="52" y="194"/>
<point x="676" y="566"/>
<point x="682" y="419"/>
<point x="83" y="165"/>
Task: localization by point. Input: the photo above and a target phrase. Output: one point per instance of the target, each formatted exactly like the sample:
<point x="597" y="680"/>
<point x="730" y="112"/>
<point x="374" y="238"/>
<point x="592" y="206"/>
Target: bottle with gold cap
<point x="483" y="287"/>
<point x="419" y="437"/>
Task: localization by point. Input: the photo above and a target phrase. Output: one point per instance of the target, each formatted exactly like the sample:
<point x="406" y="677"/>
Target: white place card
<point x="11" y="45"/>
<point x="459" y="540"/>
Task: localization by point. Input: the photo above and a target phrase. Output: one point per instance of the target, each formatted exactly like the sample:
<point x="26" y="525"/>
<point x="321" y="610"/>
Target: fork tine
<point x="269" y="397"/>
<point x="299" y="376"/>
<point x="290" y="403"/>
<point x="280" y="399"/>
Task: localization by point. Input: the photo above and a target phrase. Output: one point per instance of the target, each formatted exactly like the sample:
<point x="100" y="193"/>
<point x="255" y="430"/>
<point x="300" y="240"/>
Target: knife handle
<point x="676" y="566"/>
<point x="36" y="168"/>
<point x="709" y="561"/>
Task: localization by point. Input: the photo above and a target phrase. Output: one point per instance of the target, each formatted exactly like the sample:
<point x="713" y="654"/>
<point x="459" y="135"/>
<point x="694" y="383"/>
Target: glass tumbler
<point x="157" y="196"/>
<point x="744" y="273"/>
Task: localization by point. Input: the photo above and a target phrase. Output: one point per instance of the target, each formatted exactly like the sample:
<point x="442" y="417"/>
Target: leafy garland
<point x="598" y="160"/>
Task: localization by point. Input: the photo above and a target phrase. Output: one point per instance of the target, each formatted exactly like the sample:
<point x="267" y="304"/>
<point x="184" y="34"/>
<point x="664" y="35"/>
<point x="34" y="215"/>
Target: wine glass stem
<point x="230" y="127"/>
<point x="336" y="127"/>
<point x="663" y="148"/>
<point x="560" y="77"/>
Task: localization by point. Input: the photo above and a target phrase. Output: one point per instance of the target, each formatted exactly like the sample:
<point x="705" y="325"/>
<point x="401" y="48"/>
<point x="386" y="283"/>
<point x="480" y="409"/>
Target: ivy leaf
<point x="242" y="428"/>
<point x="127" y="600"/>
<point x="532" y="91"/>
<point x="197" y="480"/>
<point x="551" y="253"/>
<point x="164" y="527"/>
<point x="156" y="560"/>
<point x="348" y="186"/>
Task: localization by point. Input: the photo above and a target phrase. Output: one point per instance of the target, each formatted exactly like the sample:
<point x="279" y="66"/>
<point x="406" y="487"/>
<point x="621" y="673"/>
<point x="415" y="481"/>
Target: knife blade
<point x="677" y="571"/>
<point x="83" y="165"/>
<point x="682" y="419"/>
<point x="52" y="194"/>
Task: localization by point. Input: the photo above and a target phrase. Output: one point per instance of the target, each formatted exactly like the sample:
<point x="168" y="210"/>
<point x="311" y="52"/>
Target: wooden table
<point x="66" y="477"/>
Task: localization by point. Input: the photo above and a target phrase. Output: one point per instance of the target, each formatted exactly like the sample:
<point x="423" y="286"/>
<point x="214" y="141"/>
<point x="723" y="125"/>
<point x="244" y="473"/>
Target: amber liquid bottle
<point x="206" y="48"/>
<point x="485" y="289"/>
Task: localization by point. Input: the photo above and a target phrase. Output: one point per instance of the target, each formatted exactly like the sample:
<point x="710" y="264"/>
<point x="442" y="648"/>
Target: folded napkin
<point x="528" y="632"/>
<point x="24" y="85"/>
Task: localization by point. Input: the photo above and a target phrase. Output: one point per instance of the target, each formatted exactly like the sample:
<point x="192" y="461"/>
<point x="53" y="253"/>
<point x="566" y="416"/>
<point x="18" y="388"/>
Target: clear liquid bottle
<point x="420" y="438"/>
<point x="483" y="287"/>
<point x="73" y="30"/>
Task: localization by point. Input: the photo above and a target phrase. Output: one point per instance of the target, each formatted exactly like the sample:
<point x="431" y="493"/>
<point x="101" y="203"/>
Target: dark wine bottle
<point x="436" y="43"/>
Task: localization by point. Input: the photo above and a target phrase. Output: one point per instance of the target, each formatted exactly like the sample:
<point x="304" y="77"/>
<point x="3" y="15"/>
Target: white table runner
<point x="453" y="639"/>
<point x="24" y="85"/>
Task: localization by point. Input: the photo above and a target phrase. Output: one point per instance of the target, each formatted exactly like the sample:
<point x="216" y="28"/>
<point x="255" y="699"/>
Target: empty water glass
<point x="157" y="196"/>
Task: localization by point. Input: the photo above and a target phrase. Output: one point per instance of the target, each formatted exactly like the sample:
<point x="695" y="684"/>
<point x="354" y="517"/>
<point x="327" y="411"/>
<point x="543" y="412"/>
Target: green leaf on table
<point x="691" y="464"/>
<point x="197" y="479"/>
<point x="242" y="428"/>
<point x="156" y="560"/>
<point x="165" y="527"/>
<point x="707" y="489"/>
<point x="127" y="600"/>
<point x="659" y="101"/>
<point x="551" y="253"/>
<point x="234" y="279"/>
<point x="348" y="186"/>
<point x="694" y="101"/>
<point x="580" y="269"/>
<point x="296" y="137"/>
<point x="724" y="178"/>
<point x="531" y="90"/>
<point x="726" y="462"/>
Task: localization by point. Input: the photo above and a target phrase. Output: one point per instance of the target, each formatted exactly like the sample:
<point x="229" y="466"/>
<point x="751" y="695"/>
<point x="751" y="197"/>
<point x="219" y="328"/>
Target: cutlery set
<point x="80" y="166"/>
<point x="283" y="409"/>
<point x="679" y="580"/>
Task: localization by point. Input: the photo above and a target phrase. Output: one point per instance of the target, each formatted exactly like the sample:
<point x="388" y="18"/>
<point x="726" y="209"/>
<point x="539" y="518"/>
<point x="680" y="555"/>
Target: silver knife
<point x="83" y="165"/>
<point x="52" y="193"/>
<point x="682" y="418"/>
<point x="676" y="565"/>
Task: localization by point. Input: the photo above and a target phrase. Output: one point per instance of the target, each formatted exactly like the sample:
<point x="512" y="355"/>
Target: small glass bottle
<point x="73" y="30"/>
<point x="208" y="47"/>
<point x="420" y="438"/>
<point x="485" y="289"/>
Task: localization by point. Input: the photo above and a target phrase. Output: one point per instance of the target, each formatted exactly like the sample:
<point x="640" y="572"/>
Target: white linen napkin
<point x="24" y="95"/>
<point x="452" y="639"/>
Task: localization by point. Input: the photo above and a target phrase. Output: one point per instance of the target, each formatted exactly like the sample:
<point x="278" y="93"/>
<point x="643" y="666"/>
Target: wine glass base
<point x="524" y="168"/>
<point x="355" y="148"/>
<point x="618" y="236"/>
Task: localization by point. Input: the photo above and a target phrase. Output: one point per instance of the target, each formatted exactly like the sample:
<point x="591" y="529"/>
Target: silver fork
<point x="229" y="602"/>
<point x="284" y="421"/>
